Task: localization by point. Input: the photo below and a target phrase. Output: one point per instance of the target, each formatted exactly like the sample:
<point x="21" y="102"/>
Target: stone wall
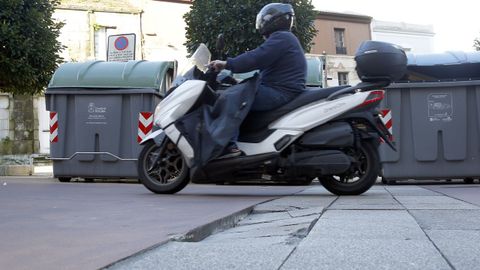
<point x="6" y="133"/>
<point x="19" y="124"/>
<point x="25" y="130"/>
<point x="18" y="134"/>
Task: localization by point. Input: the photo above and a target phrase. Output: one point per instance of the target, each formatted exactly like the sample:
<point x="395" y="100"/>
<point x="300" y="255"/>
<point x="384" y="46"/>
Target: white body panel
<point x="178" y="103"/>
<point x="318" y="113"/>
<point x="151" y="136"/>
<point x="303" y="119"/>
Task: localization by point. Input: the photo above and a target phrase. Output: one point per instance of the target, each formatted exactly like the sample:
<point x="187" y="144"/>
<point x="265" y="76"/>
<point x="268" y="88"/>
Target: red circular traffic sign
<point x="121" y="43"/>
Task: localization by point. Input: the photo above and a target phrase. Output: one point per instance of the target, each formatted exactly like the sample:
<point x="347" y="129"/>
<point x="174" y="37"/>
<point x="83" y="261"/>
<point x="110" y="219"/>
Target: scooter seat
<point x="256" y="121"/>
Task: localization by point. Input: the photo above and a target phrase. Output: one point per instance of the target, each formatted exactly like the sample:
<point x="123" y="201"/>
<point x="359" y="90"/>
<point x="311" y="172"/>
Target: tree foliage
<point x="476" y="44"/>
<point x="236" y="20"/>
<point x="28" y="45"/>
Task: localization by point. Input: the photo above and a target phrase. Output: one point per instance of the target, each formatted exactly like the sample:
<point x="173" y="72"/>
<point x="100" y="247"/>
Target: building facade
<point x="159" y="31"/>
<point x="158" y="26"/>
<point x="338" y="37"/>
<point x="415" y="38"/>
<point x="164" y="29"/>
<point x="88" y="24"/>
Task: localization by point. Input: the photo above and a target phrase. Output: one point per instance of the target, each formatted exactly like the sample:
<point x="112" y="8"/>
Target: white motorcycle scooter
<point x="331" y="134"/>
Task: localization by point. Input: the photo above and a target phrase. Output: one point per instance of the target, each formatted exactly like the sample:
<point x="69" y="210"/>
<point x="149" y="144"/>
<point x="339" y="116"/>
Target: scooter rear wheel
<point x="363" y="173"/>
<point x="162" y="169"/>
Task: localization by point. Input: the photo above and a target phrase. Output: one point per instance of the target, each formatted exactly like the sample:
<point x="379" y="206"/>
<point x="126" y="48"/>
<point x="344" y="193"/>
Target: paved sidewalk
<point x="389" y="227"/>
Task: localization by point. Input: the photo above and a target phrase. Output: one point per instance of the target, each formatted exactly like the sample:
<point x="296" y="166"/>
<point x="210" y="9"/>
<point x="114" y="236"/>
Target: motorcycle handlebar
<point x="210" y="76"/>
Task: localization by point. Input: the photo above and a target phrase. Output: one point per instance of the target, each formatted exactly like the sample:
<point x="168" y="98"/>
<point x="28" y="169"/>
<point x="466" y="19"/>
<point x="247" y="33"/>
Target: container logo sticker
<point x="440" y="107"/>
<point x="53" y="127"/>
<point x="96" y="115"/>
<point x="93" y="109"/>
<point x="145" y="125"/>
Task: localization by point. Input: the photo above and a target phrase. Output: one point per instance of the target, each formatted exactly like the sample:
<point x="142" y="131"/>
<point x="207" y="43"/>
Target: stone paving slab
<point x="297" y="202"/>
<point x="433" y="202"/>
<point x="276" y="228"/>
<point x="306" y="212"/>
<point x="365" y="225"/>
<point x="208" y="256"/>
<point x="410" y="191"/>
<point x="467" y="193"/>
<point x="284" y="235"/>
<point x="375" y="198"/>
<point x="317" y="190"/>
<point x="251" y="225"/>
<point x="365" y="254"/>
<point x="448" y="219"/>
<point x="366" y="203"/>
<point x="264" y="217"/>
<point x="461" y="248"/>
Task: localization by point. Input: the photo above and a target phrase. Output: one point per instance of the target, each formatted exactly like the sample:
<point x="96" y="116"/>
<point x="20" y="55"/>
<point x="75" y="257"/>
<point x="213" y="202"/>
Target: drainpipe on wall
<point x="91" y="24"/>
<point x="142" y="40"/>
<point x="324" y="70"/>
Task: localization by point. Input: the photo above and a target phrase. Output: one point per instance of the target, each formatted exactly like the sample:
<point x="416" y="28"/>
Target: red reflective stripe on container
<point x="386" y="117"/>
<point x="53" y="127"/>
<point x="145" y="125"/>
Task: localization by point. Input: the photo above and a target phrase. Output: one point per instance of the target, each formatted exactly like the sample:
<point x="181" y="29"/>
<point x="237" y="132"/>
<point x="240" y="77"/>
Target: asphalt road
<point x="45" y="224"/>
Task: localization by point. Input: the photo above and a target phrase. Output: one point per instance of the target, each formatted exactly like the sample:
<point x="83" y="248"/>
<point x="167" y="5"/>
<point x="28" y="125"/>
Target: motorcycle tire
<point x="468" y="180"/>
<point x="367" y="172"/>
<point x="162" y="168"/>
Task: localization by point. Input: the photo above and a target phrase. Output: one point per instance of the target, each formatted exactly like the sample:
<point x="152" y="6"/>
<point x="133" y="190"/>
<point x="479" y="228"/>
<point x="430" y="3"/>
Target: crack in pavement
<point x="312" y="224"/>
<point x="425" y="233"/>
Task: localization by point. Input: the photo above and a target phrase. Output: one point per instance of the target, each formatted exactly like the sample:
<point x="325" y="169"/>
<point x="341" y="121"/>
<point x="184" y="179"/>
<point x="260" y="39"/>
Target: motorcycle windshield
<point x="198" y="62"/>
<point x="201" y="57"/>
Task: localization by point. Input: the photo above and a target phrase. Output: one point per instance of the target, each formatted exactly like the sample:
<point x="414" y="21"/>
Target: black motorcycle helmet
<point x="275" y="17"/>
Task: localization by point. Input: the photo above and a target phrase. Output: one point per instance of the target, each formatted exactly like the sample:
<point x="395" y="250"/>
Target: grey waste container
<point x="98" y="113"/>
<point x="436" y="125"/>
<point x="453" y="66"/>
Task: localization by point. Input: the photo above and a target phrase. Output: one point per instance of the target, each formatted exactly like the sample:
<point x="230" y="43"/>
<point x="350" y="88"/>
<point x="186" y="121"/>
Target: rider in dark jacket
<point x="280" y="59"/>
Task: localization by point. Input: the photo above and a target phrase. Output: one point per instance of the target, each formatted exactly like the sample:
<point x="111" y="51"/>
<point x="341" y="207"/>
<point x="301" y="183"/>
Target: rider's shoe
<point x="231" y="151"/>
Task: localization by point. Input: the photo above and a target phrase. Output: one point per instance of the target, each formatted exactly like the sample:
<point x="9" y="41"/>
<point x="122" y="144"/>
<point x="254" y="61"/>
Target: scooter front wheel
<point x="362" y="175"/>
<point x="162" y="169"/>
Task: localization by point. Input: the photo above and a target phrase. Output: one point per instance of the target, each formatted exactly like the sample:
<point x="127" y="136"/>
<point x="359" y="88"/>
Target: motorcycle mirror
<point x="220" y="46"/>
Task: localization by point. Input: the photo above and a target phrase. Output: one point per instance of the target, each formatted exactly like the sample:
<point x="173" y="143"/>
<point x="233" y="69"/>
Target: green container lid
<point x="101" y="74"/>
